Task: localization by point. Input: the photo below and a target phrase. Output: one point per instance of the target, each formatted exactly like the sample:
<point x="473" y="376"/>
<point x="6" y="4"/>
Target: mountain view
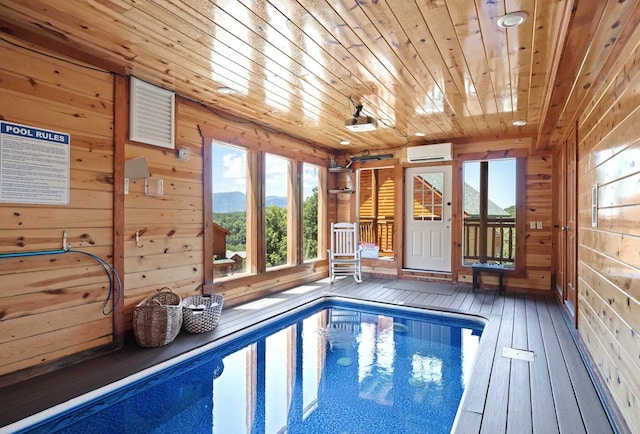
<point x="236" y="201"/>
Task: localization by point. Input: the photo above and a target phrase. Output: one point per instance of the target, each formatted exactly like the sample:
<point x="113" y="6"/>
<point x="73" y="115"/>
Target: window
<point x="266" y="212"/>
<point x="310" y="184"/>
<point x="376" y="208"/>
<point x="489" y="212"/>
<point x="277" y="211"/>
<point x="427" y="196"/>
<point x="229" y="186"/>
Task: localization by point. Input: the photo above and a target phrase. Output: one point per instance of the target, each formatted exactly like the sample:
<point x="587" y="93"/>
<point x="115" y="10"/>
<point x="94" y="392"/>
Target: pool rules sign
<point x="34" y="165"/>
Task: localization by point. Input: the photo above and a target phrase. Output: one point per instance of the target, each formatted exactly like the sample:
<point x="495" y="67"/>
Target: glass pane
<point x="489" y="229"/>
<point x="427" y="196"/>
<point x="229" y="179"/>
<point x="310" y="211"/>
<point x="376" y="209"/>
<point x="501" y="230"/>
<point x="276" y="203"/>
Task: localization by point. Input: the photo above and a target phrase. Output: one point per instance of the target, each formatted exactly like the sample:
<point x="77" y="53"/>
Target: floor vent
<point x="515" y="353"/>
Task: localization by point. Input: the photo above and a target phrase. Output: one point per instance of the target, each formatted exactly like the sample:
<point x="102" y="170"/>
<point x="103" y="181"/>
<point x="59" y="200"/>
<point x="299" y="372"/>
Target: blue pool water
<point x="337" y="368"/>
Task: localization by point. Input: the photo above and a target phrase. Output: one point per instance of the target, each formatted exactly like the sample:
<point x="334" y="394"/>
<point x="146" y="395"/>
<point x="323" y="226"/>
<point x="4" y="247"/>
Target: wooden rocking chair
<point x="345" y="254"/>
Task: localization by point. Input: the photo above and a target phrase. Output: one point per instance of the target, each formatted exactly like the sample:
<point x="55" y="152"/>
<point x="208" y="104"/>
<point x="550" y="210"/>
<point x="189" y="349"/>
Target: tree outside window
<point x="277" y="196"/>
<point x="310" y="183"/>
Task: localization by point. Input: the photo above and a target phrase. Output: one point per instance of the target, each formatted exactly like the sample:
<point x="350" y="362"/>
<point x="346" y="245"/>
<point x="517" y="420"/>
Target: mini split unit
<point x="428" y="153"/>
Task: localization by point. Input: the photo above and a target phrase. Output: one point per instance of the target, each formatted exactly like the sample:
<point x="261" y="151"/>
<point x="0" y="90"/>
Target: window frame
<point x="520" y="155"/>
<point x="255" y="221"/>
<point x="393" y="166"/>
<point x="483" y="210"/>
<point x="250" y="262"/>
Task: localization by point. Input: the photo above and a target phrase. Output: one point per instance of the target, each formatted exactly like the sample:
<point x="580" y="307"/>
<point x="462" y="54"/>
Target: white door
<point x="427" y="221"/>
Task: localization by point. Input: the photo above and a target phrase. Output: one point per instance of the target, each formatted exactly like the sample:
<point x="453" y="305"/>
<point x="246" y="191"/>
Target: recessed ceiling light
<point x="420" y="134"/>
<point x="224" y="90"/>
<point x="512" y="19"/>
<point x="345" y="142"/>
<point x="519" y="123"/>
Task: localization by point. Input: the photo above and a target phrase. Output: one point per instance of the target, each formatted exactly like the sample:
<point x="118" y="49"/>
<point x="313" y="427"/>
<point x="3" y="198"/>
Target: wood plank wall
<point x="50" y="306"/>
<point x="169" y="250"/>
<point x="608" y="255"/>
<point x="538" y="248"/>
<point x="171" y="226"/>
<point x="537" y="207"/>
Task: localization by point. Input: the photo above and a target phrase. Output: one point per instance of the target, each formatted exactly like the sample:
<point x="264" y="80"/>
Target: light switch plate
<point x="183" y="153"/>
<point x="153" y="187"/>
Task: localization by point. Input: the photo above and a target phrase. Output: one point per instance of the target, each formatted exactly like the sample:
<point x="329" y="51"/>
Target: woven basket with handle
<point x="201" y="313"/>
<point x="157" y="319"/>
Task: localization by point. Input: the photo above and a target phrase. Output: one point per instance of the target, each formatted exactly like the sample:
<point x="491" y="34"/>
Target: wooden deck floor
<point x="554" y="393"/>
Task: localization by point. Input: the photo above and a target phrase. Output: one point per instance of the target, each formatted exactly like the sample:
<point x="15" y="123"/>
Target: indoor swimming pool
<point x="334" y="367"/>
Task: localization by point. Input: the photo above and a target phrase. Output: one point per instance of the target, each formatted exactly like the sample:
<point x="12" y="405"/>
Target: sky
<point x="230" y="162"/>
<point x="502" y="184"/>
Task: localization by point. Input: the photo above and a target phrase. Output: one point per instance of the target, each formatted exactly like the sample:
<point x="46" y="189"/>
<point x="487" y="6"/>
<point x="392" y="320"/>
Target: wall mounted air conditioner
<point x="429" y="153"/>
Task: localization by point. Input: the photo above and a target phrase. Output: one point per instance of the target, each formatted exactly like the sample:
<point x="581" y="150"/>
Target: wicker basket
<point x="157" y="319"/>
<point x="201" y="313"/>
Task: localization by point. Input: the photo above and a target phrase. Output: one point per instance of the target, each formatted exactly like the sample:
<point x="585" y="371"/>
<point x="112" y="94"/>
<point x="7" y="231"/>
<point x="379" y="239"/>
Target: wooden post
<point x="120" y="123"/>
<point x="484" y="200"/>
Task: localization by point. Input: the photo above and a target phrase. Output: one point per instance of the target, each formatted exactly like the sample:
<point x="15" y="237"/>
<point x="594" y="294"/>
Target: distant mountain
<point x="278" y="201"/>
<point x="235" y="201"/>
<point x="229" y="202"/>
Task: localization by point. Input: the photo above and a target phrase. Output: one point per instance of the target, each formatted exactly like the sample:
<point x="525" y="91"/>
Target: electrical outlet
<point x="532" y="225"/>
<point x="539" y="225"/>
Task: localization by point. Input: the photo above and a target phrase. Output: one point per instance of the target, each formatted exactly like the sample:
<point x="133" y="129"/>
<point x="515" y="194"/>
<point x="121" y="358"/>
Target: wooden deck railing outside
<point x="377" y="230"/>
<point x="501" y="240"/>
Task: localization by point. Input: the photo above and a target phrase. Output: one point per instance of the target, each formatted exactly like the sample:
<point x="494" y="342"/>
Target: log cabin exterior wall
<point x="608" y="133"/>
<point x="50" y="306"/>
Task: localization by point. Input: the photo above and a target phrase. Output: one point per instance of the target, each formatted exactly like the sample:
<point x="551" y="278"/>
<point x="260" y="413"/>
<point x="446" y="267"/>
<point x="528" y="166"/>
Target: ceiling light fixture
<point x="512" y="19"/>
<point x="519" y="123"/>
<point x="224" y="90"/>
<point x="420" y="134"/>
<point x="345" y="142"/>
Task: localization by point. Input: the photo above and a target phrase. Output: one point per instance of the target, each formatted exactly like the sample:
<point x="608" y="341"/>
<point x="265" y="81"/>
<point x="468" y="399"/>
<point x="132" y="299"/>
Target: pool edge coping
<point x="327" y="297"/>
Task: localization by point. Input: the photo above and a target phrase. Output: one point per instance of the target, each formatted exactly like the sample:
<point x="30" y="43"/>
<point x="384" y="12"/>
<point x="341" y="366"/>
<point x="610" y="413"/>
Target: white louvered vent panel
<point x="151" y="114"/>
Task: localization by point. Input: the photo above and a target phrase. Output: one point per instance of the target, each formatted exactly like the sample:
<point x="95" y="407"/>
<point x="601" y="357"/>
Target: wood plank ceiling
<point x="439" y="67"/>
